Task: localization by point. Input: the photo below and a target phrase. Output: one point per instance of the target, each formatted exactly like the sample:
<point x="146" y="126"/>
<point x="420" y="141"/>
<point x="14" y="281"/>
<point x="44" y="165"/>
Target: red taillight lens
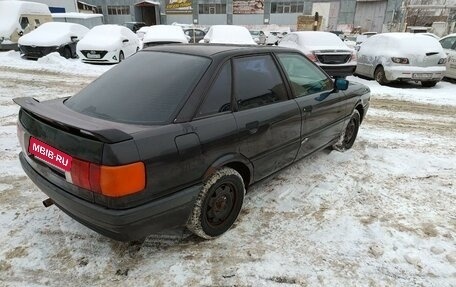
<point x="113" y="181"/>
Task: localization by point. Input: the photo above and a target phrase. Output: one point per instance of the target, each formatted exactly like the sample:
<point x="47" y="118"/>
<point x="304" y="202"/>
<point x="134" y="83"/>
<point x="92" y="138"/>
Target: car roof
<point x="209" y="50"/>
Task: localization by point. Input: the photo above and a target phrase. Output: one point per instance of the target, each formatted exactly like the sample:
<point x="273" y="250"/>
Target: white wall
<point x="69" y="5"/>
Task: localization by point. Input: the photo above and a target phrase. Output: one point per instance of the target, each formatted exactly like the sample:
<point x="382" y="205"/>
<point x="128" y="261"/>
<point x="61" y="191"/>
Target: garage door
<point x="370" y="15"/>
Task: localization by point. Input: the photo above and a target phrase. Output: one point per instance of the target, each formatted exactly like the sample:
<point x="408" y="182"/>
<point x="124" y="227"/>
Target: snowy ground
<point x="381" y="214"/>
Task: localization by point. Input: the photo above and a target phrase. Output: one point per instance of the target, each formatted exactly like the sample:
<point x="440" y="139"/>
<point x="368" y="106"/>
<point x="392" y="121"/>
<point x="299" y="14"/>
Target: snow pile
<point x="229" y="34"/>
<point x="164" y="33"/>
<point x="51" y="63"/>
<point x="53" y="34"/>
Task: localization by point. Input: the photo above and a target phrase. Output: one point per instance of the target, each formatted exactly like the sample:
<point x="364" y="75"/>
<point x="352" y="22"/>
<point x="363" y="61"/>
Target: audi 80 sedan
<point x="178" y="144"/>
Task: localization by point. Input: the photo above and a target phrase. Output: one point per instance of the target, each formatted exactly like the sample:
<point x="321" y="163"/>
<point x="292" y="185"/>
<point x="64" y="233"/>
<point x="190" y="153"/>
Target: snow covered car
<point x="258" y="36"/>
<point x="142" y="31"/>
<point x="173" y="136"/>
<point x="326" y="49"/>
<point x="228" y="34"/>
<point x="449" y="45"/>
<point x="164" y="34"/>
<point x="52" y="37"/>
<point x="107" y="44"/>
<point x="402" y="56"/>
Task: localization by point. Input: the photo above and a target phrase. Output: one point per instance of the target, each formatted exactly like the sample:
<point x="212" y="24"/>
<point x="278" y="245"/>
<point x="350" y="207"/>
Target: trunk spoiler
<point x="58" y="114"/>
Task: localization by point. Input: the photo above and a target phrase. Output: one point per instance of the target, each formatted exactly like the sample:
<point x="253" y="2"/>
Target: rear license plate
<point x="93" y="56"/>
<point x="49" y="154"/>
<point x="422" y="75"/>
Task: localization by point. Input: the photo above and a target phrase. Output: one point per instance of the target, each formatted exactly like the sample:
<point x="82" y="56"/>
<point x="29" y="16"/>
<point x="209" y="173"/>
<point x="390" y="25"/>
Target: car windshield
<point x="255" y="33"/>
<point x="145" y="89"/>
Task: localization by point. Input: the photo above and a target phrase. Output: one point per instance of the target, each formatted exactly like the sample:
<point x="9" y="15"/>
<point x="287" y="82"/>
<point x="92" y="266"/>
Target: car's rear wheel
<point x="379" y="76"/>
<point x="67" y="53"/>
<point x="218" y="204"/>
<point x="348" y="137"/>
<point x="428" y="84"/>
<point x="121" y="56"/>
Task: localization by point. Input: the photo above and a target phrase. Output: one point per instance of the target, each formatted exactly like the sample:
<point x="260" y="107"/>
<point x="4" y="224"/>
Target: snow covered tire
<point x="218" y="204"/>
<point x="348" y="137"/>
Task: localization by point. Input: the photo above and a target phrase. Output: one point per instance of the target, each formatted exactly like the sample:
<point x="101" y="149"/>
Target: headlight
<point x="442" y="61"/>
<point x="400" y="60"/>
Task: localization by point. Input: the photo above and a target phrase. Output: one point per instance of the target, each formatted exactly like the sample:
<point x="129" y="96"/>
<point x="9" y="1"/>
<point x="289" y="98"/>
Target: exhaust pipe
<point x="48" y="202"/>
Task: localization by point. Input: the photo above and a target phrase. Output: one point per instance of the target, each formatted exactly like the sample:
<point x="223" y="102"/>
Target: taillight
<point x="312" y="57"/>
<point x="113" y="181"/>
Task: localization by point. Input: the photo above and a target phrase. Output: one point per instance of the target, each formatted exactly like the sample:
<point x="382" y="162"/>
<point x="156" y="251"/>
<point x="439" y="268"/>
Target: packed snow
<point x="380" y="214"/>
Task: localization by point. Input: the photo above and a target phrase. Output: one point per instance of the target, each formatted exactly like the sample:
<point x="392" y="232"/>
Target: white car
<point x="142" y="31"/>
<point x="228" y="34"/>
<point x="449" y="45"/>
<point x="107" y="44"/>
<point x="326" y="49"/>
<point x="52" y="37"/>
<point x="402" y="56"/>
<point x="164" y="34"/>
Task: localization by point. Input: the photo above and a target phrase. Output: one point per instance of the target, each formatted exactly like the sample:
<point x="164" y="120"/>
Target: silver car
<point x="402" y="56"/>
<point x="449" y="45"/>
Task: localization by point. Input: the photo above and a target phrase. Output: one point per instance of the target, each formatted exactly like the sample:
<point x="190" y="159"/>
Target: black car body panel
<point x="256" y="136"/>
<point x="35" y="52"/>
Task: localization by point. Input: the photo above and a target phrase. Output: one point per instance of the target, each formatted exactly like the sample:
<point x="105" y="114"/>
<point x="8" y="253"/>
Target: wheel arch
<point x="235" y="161"/>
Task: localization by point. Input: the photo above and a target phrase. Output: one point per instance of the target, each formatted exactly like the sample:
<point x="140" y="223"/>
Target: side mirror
<point x="341" y="84"/>
<point x="74" y="38"/>
<point x="125" y="41"/>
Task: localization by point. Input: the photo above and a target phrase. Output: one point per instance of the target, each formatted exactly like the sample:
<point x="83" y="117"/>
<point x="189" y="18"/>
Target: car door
<point x="324" y="111"/>
<point x="269" y="123"/>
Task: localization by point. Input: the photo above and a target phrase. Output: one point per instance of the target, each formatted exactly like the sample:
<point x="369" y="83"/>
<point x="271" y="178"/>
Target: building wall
<point x="68" y="5"/>
<point x="251" y="19"/>
<point x="214" y="19"/>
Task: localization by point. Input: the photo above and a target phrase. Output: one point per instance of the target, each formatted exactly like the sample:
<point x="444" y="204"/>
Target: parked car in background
<point x="258" y="36"/>
<point x="179" y="141"/>
<point x="228" y="34"/>
<point x="18" y="18"/>
<point x="273" y="37"/>
<point x="195" y="34"/>
<point x="363" y="37"/>
<point x="350" y="41"/>
<point x="402" y="56"/>
<point x="107" y="44"/>
<point x="142" y="31"/>
<point x="164" y="34"/>
<point x="449" y="46"/>
<point x="325" y="49"/>
<point x="52" y="37"/>
<point x="134" y="26"/>
<point x="431" y="35"/>
<point x="88" y="20"/>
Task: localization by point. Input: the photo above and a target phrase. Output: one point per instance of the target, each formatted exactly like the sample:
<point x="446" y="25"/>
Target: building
<point x="368" y="15"/>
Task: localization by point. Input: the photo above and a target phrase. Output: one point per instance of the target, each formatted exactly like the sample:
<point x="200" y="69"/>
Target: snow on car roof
<point x="412" y="43"/>
<point x="11" y="10"/>
<point x="229" y="34"/>
<point x="76" y="15"/>
<point x="165" y="33"/>
<point x="315" y="38"/>
<point x="53" y="34"/>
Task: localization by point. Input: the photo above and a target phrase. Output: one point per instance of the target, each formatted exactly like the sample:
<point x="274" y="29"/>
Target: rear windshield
<point x="145" y="89"/>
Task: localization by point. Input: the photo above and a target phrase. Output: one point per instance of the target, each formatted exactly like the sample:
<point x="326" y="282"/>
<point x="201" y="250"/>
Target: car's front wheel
<point x="380" y="76"/>
<point x="218" y="204"/>
<point x="348" y="137"/>
<point x="428" y="84"/>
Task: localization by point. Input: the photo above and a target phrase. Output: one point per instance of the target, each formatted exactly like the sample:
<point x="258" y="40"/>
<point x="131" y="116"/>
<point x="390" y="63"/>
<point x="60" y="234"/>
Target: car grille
<point x="30" y="51"/>
<point x="93" y="52"/>
<point x="333" y="59"/>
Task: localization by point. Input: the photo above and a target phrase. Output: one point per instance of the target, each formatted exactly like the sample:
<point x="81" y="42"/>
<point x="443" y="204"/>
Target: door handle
<point x="307" y="109"/>
<point x="252" y="127"/>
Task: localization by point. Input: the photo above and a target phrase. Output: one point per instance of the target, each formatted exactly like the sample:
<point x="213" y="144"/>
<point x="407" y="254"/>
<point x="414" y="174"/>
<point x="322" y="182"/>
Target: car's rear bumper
<point x="339" y="70"/>
<point x="126" y="224"/>
<point x="413" y="73"/>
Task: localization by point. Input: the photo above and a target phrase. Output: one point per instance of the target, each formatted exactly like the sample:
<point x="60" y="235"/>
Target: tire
<point x="218" y="204"/>
<point x="428" y="84"/>
<point x="121" y="56"/>
<point x="348" y="137"/>
<point x="379" y="76"/>
<point x="67" y="53"/>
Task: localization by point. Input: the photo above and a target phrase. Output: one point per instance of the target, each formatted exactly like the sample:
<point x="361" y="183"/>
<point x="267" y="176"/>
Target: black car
<point x="178" y="144"/>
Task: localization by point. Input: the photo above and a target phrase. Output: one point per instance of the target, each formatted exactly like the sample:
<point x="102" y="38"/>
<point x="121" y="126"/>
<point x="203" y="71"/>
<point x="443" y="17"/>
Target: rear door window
<point x="147" y="88"/>
<point x="257" y="82"/>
